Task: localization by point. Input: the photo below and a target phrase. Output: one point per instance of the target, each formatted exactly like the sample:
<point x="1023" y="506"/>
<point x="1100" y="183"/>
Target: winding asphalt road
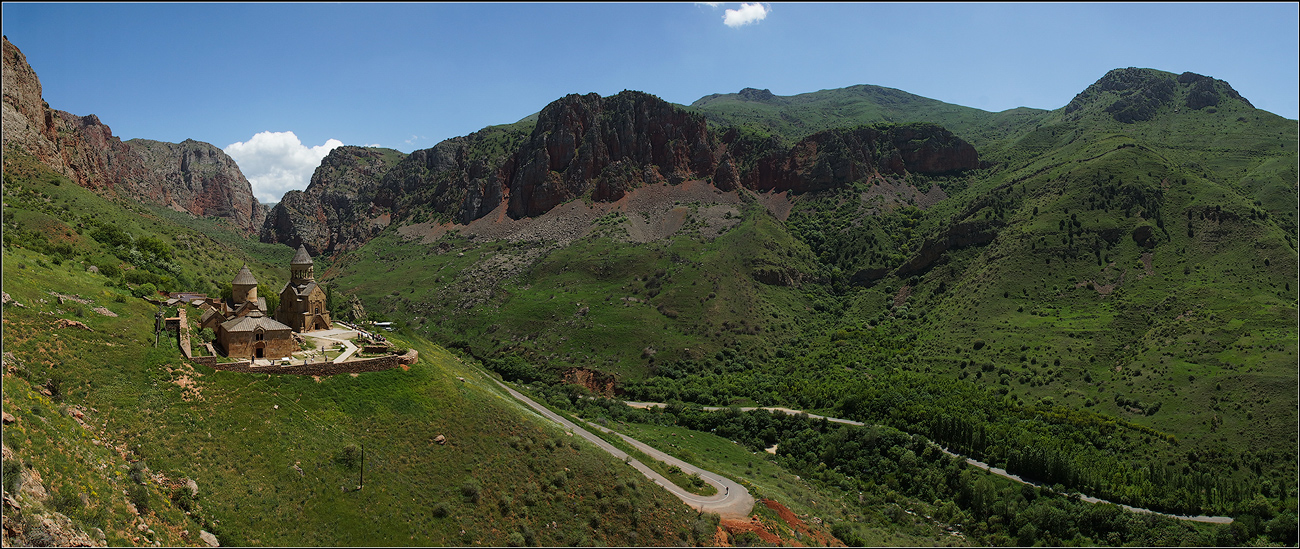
<point x="995" y="470"/>
<point x="731" y="501"/>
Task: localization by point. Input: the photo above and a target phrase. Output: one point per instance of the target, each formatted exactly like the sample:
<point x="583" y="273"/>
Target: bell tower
<point x="301" y="269"/>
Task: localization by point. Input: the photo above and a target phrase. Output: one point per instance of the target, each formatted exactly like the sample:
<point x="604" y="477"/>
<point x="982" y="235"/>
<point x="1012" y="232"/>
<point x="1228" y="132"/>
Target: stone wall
<point x="184" y="334"/>
<point x="209" y="361"/>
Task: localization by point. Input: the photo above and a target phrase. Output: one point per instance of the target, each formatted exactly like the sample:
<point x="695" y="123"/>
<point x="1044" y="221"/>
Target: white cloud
<point x="748" y="13"/>
<point x="710" y="4"/>
<point x="277" y="162"/>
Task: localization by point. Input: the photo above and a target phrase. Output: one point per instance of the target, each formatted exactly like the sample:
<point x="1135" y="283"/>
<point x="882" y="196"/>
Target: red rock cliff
<point x="191" y="176"/>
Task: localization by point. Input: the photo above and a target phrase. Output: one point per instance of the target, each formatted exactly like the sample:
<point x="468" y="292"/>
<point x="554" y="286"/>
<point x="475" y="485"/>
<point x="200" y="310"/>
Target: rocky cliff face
<point x="29" y="123"/>
<point x="339" y="209"/>
<point x="196" y="177"/>
<point x="588" y="146"/>
<point x="606" y="146"/>
<point x="834" y="157"/>
<point x="191" y="176"/>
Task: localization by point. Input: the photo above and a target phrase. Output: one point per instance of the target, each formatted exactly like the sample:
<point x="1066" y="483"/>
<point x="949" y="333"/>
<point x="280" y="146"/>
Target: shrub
<point x="440" y="510"/>
<point x="145" y="290"/>
<point x="109" y="269"/>
<point x="11" y="470"/>
<point x="139" y="495"/>
<point x="349" y="457"/>
<point x="472" y="490"/>
<point x="705" y="526"/>
<point x="65" y="501"/>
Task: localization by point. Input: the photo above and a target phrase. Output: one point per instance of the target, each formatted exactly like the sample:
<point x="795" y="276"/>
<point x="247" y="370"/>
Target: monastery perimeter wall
<point x="183" y="334"/>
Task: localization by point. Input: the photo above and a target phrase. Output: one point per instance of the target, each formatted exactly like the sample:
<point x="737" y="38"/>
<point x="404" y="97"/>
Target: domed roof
<point x="302" y="257"/>
<point x="244" y="278"/>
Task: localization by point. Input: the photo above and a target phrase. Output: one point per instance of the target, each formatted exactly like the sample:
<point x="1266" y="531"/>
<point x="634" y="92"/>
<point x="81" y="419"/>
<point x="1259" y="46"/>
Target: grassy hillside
<point x="277" y="459"/>
<point x="797" y="116"/>
<point x="598" y="303"/>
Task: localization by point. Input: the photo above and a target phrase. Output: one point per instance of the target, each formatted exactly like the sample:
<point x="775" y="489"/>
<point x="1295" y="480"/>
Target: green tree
<point x="272" y="298"/>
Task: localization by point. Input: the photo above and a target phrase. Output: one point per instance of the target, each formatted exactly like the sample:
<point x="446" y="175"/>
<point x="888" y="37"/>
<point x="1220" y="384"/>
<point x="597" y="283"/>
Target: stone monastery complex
<point x="241" y="323"/>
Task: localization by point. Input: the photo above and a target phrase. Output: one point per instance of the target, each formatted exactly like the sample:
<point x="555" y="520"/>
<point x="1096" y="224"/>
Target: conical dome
<point x="302" y="257"/>
<point x="244" y="278"/>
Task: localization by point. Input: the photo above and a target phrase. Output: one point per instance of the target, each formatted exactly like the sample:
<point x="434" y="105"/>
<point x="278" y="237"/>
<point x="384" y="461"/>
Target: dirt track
<point x="732" y="500"/>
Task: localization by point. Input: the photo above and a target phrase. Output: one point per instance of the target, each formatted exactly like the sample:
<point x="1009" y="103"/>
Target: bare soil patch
<point x="734" y="527"/>
<point x="901" y="297"/>
<point x="653" y="212"/>
<point x="779" y="204"/>
<point x="891" y="193"/>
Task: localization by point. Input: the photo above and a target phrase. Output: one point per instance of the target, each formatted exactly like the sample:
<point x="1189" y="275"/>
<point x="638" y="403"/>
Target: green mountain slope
<point x="797" y="116"/>
<point x="107" y="427"/>
<point x="1113" y="291"/>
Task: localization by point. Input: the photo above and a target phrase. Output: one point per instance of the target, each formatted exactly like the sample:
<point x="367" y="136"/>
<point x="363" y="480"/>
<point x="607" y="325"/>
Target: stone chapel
<point x="243" y="330"/>
<point x="302" y="301"/>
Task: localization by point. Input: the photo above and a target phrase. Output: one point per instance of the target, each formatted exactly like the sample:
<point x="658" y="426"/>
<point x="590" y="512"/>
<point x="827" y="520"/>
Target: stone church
<point x="242" y="327"/>
<point x="302" y="301"/>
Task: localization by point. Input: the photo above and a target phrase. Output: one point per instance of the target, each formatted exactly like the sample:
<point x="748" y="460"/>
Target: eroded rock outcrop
<point x="595" y="148"/>
<point x="196" y="177"/>
<point x="341" y="208"/>
<point x="834" y="157"/>
<point x="606" y="146"/>
<point x="28" y="121"/>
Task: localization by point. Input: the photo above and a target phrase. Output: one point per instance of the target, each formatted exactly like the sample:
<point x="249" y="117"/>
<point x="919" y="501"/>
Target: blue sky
<point x="308" y="76"/>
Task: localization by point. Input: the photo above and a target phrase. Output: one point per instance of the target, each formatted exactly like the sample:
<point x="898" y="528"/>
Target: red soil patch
<point x="789" y="517"/>
<point x="736" y="527"/>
